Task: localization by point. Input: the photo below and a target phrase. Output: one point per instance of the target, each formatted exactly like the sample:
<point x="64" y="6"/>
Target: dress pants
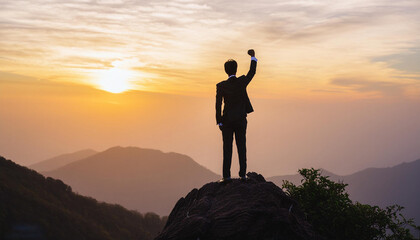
<point x="238" y="128"/>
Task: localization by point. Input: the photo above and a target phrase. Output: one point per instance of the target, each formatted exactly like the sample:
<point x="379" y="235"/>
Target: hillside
<point x="379" y="186"/>
<point x="141" y="179"/>
<point x="61" y="160"/>
<point x="32" y="205"/>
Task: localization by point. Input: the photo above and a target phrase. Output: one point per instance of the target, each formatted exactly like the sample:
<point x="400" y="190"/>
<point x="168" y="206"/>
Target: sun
<point x="115" y="80"/>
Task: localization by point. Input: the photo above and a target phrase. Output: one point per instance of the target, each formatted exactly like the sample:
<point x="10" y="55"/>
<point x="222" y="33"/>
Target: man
<point x="236" y="107"/>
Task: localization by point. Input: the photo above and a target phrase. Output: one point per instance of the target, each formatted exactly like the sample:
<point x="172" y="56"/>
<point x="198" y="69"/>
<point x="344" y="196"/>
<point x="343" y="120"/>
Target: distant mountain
<point x="379" y="186"/>
<point x="61" y="160"/>
<point x="140" y="179"/>
<point x="35" y="207"/>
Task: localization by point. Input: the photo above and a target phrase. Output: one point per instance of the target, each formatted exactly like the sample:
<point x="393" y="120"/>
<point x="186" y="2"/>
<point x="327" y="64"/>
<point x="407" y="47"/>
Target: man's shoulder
<point x="220" y="84"/>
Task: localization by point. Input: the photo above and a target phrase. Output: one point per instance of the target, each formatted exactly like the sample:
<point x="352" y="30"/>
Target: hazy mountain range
<point x="61" y="160"/>
<point x="379" y="186"/>
<point x="141" y="179"/>
<point x="150" y="180"/>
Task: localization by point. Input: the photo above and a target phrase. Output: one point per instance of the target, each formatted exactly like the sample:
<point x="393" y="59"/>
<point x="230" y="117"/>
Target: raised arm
<point x="252" y="68"/>
<point x="218" y="105"/>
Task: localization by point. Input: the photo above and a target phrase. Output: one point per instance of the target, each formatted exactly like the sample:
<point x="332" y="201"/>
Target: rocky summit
<point x="251" y="209"/>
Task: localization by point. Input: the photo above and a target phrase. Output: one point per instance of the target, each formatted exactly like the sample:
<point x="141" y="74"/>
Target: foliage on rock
<point x="332" y="214"/>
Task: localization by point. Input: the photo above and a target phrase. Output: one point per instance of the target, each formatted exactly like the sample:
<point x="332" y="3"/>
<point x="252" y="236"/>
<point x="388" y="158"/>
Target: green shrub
<point x="332" y="214"/>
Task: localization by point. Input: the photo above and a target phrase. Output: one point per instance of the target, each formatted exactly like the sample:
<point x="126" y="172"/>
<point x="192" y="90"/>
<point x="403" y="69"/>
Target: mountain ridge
<point x="137" y="178"/>
<point x="61" y="160"/>
<point x="49" y="209"/>
<point x="365" y="186"/>
<point x="379" y="186"/>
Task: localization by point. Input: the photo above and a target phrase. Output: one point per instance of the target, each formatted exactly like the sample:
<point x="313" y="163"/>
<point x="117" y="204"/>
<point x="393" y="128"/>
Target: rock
<point x="252" y="209"/>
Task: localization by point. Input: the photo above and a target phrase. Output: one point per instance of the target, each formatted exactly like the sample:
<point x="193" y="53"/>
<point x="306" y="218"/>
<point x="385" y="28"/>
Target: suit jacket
<point x="233" y="92"/>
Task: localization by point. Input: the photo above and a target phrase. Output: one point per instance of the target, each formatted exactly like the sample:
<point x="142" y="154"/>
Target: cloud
<point x="187" y="36"/>
<point x="415" y="77"/>
<point x="361" y="85"/>
<point x="128" y="63"/>
<point x="6" y="77"/>
<point x="110" y="1"/>
<point x="407" y="61"/>
<point x="327" y="91"/>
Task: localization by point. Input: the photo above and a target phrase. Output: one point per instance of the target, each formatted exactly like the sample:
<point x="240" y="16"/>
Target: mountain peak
<point x="129" y="151"/>
<point x="143" y="179"/>
<point x="252" y="209"/>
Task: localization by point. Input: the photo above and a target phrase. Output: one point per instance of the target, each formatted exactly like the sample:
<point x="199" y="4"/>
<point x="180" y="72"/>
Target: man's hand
<point x="251" y="52"/>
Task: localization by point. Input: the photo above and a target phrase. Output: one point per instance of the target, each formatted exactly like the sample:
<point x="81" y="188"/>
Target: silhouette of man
<point x="236" y="107"/>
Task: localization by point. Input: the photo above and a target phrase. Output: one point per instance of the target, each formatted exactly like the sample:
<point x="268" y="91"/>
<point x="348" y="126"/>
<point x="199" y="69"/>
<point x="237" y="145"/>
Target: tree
<point x="332" y="214"/>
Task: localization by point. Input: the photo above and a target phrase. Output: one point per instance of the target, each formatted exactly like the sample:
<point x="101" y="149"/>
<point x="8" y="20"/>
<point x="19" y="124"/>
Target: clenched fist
<point x="251" y="52"/>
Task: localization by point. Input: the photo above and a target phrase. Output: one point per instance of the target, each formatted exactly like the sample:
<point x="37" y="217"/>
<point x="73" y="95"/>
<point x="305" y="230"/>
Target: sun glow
<point x="115" y="80"/>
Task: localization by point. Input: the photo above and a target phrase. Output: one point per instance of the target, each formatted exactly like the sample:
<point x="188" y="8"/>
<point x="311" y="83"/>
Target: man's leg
<point x="240" y="136"/>
<point x="227" y="133"/>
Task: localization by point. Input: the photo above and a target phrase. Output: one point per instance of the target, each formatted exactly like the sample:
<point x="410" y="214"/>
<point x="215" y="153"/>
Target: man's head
<point x="230" y="67"/>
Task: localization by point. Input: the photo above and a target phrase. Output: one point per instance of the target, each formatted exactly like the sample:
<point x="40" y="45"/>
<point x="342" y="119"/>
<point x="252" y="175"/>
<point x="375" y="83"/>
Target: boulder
<point x="251" y="209"/>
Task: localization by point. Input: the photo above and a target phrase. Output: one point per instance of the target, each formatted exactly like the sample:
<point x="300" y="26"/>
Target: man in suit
<point x="236" y="107"/>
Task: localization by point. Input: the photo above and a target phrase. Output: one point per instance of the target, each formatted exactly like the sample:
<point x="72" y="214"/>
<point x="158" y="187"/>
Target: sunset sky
<point x="72" y="70"/>
<point x="356" y="48"/>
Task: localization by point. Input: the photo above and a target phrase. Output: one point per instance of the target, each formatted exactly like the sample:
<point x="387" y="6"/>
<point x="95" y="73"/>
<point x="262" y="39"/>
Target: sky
<point x="337" y="84"/>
